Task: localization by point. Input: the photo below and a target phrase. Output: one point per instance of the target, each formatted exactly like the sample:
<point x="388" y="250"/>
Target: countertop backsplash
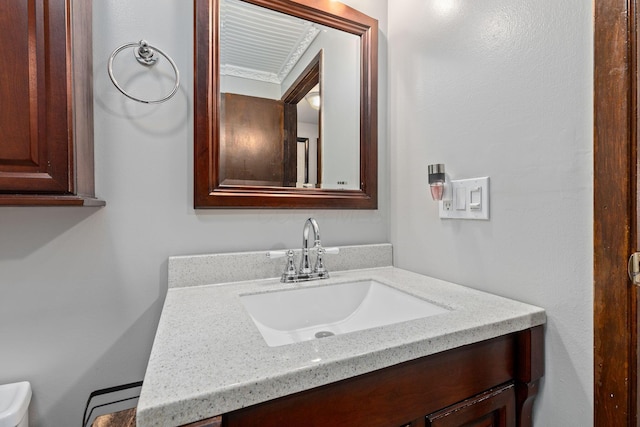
<point x="211" y="269"/>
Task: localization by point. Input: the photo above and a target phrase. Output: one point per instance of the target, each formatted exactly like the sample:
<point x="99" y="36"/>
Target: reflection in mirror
<point x="304" y="164"/>
<point x="259" y="66"/>
<point x="271" y="59"/>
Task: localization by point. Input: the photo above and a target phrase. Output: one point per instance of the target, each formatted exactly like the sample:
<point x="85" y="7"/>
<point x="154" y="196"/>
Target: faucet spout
<point x="313" y="225"/>
<point x="309" y="225"/>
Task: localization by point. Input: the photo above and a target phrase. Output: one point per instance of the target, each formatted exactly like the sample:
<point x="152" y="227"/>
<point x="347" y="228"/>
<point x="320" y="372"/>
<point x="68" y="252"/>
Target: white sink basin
<point x="301" y="314"/>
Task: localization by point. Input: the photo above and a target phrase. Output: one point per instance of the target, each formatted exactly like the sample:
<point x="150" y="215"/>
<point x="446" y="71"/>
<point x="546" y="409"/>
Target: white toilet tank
<point x="14" y="404"/>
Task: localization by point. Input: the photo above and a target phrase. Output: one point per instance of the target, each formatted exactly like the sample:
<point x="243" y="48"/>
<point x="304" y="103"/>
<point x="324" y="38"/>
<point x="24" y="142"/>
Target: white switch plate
<point x="462" y="188"/>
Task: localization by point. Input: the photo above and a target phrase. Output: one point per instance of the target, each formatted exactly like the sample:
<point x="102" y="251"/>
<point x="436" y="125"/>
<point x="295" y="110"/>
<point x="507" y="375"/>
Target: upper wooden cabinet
<point x="46" y="103"/>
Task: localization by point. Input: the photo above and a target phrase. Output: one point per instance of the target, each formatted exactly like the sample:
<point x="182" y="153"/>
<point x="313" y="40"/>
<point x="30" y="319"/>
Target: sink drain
<point x="323" y="334"/>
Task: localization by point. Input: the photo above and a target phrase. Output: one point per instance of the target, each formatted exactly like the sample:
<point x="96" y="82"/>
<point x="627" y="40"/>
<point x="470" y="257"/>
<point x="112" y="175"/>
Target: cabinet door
<point x="35" y="142"/>
<point x="494" y="408"/>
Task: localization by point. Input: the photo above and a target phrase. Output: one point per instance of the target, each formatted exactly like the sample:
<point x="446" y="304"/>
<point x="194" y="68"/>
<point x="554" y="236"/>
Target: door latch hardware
<point x="633" y="268"/>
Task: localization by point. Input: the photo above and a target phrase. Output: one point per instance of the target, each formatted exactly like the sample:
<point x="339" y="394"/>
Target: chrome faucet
<point x="305" y="272"/>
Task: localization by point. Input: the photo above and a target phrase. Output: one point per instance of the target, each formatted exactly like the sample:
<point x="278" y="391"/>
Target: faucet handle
<point x="290" y="269"/>
<point x="290" y="272"/>
<point x="319" y="267"/>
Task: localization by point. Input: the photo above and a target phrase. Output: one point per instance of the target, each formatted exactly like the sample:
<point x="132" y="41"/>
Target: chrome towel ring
<point x="146" y="55"/>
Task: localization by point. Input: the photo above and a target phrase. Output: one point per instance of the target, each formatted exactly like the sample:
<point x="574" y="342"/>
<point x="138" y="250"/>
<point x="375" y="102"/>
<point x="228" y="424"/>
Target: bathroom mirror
<point x="250" y="120"/>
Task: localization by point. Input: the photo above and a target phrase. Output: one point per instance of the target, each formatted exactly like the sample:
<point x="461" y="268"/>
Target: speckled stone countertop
<point x="209" y="358"/>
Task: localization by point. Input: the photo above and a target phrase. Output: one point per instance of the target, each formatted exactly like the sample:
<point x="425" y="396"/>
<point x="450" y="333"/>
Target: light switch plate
<point x="470" y="199"/>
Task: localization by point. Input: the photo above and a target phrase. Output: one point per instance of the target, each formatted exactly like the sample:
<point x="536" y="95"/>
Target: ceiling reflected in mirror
<point x="261" y="44"/>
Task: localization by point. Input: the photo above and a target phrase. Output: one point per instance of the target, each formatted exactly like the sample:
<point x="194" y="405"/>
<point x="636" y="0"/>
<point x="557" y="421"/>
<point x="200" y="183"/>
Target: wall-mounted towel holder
<point x="146" y="55"/>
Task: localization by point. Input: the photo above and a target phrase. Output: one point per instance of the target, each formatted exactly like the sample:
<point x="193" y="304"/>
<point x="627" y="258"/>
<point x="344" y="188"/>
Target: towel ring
<point x="146" y="55"/>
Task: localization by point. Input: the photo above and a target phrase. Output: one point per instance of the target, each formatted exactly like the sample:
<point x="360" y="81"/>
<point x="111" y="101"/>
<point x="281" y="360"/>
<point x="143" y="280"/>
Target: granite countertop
<point x="209" y="358"/>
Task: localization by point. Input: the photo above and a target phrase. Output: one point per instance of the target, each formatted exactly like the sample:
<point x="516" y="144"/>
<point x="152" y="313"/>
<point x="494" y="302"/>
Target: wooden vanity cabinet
<point x="46" y="103"/>
<point x="489" y="383"/>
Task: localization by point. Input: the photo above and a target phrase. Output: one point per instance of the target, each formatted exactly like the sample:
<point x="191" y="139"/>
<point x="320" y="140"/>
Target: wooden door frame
<point x="615" y="231"/>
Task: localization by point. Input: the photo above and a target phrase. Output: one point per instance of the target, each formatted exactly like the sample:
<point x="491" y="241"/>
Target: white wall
<point x="82" y="288"/>
<point x="340" y="83"/>
<point x="502" y="88"/>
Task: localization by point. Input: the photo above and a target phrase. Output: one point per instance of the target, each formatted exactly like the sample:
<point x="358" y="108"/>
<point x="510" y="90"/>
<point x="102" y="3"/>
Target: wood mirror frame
<point x="208" y="190"/>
